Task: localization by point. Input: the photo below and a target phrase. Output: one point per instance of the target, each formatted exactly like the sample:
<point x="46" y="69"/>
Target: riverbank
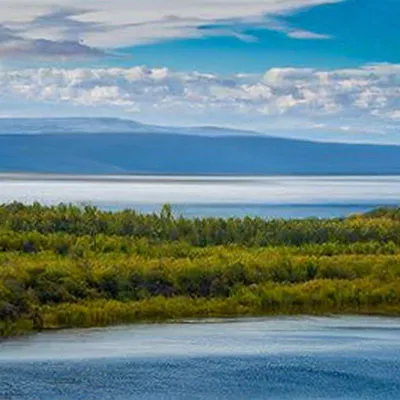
<point x="162" y="310"/>
<point x="64" y="267"/>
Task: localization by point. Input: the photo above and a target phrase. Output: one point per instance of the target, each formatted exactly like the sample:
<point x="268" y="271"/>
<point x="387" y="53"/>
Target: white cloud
<point x="350" y="97"/>
<point x="302" y="34"/>
<point x="119" y="23"/>
<point x="394" y="115"/>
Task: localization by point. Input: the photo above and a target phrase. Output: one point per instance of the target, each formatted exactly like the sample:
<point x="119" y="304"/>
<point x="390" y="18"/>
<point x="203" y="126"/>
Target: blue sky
<point x="321" y="69"/>
<point x="362" y="32"/>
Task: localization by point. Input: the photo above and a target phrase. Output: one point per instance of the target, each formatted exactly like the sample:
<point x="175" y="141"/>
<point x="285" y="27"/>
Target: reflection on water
<point x="209" y="337"/>
<point x="273" y="358"/>
<point x="203" y="196"/>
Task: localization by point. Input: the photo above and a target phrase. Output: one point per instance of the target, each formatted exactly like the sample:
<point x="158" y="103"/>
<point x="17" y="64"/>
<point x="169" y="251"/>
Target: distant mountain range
<point x="110" y="146"/>
<point x="34" y="126"/>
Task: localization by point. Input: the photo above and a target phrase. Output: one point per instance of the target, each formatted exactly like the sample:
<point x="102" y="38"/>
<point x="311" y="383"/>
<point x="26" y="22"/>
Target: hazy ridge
<point x="111" y="146"/>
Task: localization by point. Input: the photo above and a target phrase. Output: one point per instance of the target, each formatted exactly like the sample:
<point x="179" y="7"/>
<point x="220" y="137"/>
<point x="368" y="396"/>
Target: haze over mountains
<point x="107" y="146"/>
<point x="101" y="125"/>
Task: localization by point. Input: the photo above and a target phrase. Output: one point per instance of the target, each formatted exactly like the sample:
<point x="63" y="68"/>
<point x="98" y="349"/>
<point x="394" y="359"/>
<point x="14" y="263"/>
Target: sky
<point x="317" y="69"/>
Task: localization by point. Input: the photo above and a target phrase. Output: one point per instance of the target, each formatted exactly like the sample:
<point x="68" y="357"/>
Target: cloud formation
<point x="352" y="97"/>
<point x="15" y="40"/>
<point x="31" y="25"/>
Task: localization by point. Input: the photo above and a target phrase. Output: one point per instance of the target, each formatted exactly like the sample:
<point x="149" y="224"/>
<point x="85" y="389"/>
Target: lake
<point x="267" y="358"/>
<point x="269" y="197"/>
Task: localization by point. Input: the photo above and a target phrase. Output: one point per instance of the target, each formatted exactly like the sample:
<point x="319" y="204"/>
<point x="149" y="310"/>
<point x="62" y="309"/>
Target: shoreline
<point x="212" y="317"/>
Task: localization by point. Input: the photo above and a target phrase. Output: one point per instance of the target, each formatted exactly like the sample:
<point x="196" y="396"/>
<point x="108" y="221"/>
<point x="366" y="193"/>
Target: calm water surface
<point x="276" y="358"/>
<point x="287" y="197"/>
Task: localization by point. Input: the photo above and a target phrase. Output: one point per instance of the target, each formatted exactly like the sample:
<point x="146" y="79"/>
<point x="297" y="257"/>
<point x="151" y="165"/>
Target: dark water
<point x="277" y="358"/>
<point x="268" y="197"/>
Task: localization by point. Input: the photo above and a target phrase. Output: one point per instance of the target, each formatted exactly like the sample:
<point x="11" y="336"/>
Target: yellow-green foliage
<point x="65" y="266"/>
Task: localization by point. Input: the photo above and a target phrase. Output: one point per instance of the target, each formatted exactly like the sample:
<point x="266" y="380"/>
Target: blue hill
<point x="150" y="150"/>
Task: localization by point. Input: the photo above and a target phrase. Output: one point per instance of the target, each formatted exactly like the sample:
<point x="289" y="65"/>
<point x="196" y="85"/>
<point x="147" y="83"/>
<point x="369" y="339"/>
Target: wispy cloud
<point x="302" y="34"/>
<point x="43" y="49"/>
<point x="30" y="25"/>
<point x="19" y="41"/>
<point x="346" y="98"/>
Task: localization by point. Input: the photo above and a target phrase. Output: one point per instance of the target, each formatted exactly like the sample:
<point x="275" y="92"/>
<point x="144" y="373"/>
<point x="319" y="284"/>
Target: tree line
<point x="382" y="225"/>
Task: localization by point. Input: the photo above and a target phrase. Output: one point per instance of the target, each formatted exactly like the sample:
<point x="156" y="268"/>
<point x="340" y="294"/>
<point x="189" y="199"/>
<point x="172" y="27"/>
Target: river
<point x="267" y="358"/>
